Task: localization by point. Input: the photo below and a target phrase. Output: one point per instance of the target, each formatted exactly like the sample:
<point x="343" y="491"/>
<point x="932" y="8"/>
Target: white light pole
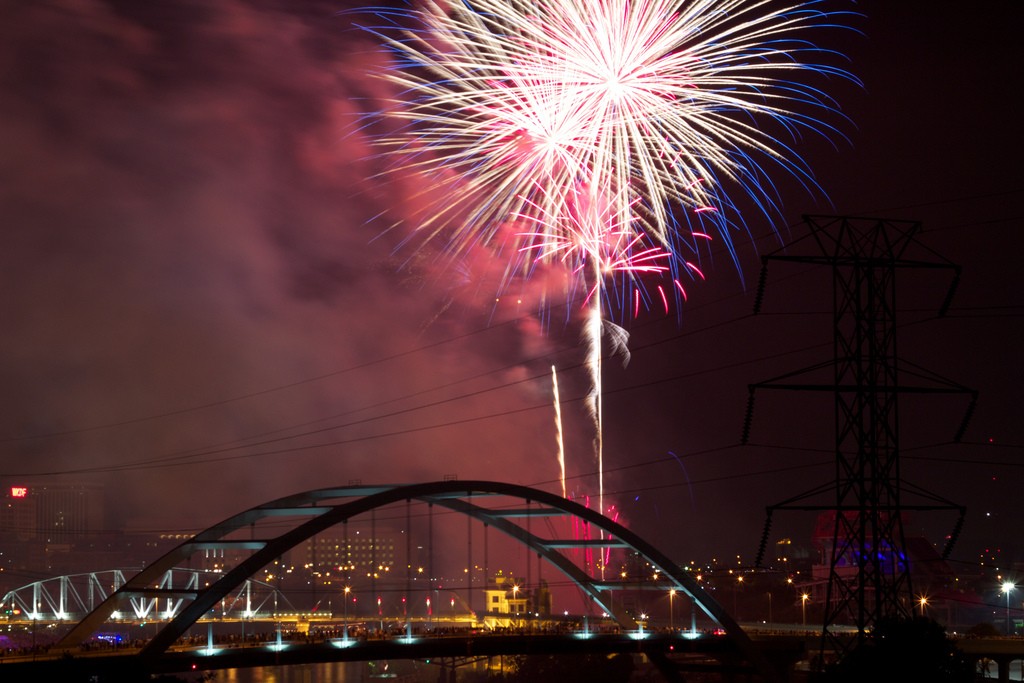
<point x="1008" y="587"/>
<point x="671" y="620"/>
<point x="348" y="589"/>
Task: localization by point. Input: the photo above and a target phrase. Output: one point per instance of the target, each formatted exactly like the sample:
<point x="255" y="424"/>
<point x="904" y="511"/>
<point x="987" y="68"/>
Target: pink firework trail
<point x="597" y="244"/>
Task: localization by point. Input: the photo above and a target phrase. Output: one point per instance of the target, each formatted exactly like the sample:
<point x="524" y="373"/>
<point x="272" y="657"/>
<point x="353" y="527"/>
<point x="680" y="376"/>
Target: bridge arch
<point x="315" y="511"/>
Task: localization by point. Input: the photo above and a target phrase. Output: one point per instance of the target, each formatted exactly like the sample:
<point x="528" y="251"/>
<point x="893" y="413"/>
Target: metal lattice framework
<point x="869" y="575"/>
<point x="73" y="596"/>
<point x="507" y="508"/>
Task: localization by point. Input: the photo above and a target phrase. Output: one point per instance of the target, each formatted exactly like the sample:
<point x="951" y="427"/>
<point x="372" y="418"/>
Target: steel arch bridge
<point x="508" y="508"/>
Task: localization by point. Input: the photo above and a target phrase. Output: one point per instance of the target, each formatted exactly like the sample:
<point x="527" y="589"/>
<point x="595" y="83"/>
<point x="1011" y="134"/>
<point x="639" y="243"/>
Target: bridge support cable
<point x="432" y="578"/>
<point x="487" y="570"/>
<point x="373" y="557"/>
<point x="483" y="502"/>
<point x="469" y="558"/>
<point x="529" y="521"/>
<point x="407" y="598"/>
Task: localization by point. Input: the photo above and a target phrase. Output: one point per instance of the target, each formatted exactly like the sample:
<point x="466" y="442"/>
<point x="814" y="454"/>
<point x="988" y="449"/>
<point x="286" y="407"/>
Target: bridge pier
<point x="447" y="673"/>
<point x="1003" y="668"/>
<point x="1002" y="663"/>
<point x="669" y="671"/>
<point x="1002" y="651"/>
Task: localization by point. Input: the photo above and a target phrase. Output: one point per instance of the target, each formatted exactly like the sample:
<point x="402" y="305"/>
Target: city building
<point x="333" y="559"/>
<point x="53" y="513"/>
<point x="40" y="525"/>
<point x="511" y="604"/>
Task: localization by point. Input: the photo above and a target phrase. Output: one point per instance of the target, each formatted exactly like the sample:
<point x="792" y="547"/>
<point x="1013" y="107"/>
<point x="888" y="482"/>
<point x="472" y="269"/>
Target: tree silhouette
<point x="900" y="650"/>
<point x="617" y="668"/>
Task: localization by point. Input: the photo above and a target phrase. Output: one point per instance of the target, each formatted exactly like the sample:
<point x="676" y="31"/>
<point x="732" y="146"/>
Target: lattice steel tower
<point x="869" y="573"/>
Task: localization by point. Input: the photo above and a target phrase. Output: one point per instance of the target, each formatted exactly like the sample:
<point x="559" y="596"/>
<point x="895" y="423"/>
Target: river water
<point x="337" y="672"/>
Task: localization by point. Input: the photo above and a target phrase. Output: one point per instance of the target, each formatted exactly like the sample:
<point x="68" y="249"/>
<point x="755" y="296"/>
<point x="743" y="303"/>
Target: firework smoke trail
<point x="558" y="429"/>
<point x="594" y="402"/>
<point x="634" y="110"/>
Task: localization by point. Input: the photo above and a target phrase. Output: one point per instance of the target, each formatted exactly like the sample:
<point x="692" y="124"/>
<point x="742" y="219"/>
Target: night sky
<point x="194" y="259"/>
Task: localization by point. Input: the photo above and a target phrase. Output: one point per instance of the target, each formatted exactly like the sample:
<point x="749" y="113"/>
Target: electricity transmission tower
<point x="869" y="572"/>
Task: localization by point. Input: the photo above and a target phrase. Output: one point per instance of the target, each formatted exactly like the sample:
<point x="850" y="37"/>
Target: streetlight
<point x="923" y="601"/>
<point x="803" y="607"/>
<point x="1008" y="586"/>
<point x="348" y="589"/>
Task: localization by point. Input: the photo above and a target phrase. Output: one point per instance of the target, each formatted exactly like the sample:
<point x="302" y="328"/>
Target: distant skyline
<point x="203" y="308"/>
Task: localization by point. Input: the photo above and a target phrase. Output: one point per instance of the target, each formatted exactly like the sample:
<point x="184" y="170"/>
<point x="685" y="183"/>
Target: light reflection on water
<point x="396" y="672"/>
<point x="335" y="672"/>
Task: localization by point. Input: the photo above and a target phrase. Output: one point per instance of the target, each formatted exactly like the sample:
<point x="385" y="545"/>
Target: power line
<point x="409" y="352"/>
<point x="234" y="445"/>
<point x="174" y="460"/>
<point x="177" y="459"/>
<point x="262" y="392"/>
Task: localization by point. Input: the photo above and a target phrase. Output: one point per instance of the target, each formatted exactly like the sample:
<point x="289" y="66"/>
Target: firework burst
<point x="512" y="106"/>
<point x="606" y="130"/>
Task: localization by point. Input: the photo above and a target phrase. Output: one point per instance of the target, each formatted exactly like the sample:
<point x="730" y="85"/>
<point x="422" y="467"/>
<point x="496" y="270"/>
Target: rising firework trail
<point x="591" y="238"/>
<point x="560" y="442"/>
<point x="607" y="134"/>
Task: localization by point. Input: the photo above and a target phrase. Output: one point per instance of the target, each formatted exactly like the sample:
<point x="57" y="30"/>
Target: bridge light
<point x="1008" y="587"/>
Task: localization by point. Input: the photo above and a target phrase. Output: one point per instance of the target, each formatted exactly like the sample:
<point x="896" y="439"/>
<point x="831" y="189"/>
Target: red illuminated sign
<point x="19" y="492"/>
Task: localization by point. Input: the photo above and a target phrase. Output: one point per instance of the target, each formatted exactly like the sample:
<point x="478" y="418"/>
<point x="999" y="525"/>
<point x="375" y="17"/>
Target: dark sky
<point x="192" y="260"/>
